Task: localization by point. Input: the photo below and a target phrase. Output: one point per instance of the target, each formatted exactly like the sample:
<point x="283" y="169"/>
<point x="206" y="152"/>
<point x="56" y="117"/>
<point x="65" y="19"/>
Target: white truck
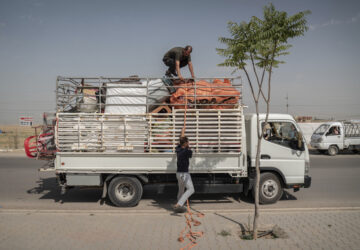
<point x="332" y="137"/>
<point x="123" y="152"/>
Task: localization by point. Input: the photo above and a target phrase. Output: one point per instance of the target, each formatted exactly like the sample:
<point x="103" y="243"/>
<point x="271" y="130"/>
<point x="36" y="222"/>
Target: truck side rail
<point x="351" y="129"/>
<point x="208" y="130"/>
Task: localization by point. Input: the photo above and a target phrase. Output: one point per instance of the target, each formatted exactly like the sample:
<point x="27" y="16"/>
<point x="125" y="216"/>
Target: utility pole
<point x="287" y="103"/>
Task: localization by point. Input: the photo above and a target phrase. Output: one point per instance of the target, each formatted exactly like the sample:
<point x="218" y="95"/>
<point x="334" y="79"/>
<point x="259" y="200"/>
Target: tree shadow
<point x="242" y="227"/>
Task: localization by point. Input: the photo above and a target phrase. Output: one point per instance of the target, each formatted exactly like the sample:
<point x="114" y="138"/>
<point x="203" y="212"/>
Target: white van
<point x="331" y="137"/>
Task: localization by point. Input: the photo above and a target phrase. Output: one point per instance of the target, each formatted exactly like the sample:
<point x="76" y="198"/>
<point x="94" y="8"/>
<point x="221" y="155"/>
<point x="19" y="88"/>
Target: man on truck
<point x="183" y="153"/>
<point x="177" y="58"/>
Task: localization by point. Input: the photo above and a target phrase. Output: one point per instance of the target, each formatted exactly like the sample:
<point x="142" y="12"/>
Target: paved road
<point x="335" y="184"/>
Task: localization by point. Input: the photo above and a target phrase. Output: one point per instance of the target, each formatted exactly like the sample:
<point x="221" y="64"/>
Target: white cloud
<point x="353" y="19"/>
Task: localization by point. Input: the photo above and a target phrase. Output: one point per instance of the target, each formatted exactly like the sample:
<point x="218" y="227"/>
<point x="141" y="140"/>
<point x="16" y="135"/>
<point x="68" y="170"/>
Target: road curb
<point x="163" y="212"/>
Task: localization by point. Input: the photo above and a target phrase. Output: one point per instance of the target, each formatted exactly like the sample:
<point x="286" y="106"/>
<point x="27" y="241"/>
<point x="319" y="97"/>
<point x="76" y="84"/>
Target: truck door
<point x="280" y="150"/>
<point x="334" y="136"/>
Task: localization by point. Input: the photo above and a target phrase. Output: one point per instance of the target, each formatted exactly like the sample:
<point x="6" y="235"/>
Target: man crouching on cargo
<point x="183" y="153"/>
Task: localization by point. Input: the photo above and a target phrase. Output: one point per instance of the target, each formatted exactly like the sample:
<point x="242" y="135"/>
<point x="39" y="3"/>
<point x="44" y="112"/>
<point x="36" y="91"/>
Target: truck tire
<point x="125" y="191"/>
<point x="333" y="150"/>
<point x="270" y="188"/>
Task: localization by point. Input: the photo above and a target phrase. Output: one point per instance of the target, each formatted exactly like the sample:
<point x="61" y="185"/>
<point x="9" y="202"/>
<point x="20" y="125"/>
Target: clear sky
<point x="40" y="40"/>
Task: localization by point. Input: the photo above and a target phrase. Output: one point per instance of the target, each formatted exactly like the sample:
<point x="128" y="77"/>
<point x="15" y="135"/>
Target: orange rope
<point x="190" y="235"/>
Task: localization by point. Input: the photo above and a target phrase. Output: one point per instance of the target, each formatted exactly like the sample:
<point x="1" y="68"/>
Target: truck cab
<point x="284" y="159"/>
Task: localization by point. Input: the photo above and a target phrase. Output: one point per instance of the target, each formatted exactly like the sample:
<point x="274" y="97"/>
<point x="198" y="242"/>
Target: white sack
<point x="157" y="94"/>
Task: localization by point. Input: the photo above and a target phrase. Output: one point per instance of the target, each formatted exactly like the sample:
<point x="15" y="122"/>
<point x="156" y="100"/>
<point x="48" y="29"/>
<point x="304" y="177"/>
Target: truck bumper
<point x="307" y="182"/>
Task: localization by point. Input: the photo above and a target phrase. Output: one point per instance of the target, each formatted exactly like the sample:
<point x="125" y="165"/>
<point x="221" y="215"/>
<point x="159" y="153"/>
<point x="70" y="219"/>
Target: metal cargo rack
<point x="352" y="129"/>
<point x="156" y="126"/>
<point x="209" y="131"/>
<point x="70" y="92"/>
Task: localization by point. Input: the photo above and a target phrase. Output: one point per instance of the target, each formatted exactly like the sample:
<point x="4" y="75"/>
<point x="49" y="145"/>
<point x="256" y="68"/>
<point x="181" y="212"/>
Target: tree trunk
<point x="257" y="177"/>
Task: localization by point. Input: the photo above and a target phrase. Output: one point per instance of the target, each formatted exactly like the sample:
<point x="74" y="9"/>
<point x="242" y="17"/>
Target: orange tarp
<point x="208" y="95"/>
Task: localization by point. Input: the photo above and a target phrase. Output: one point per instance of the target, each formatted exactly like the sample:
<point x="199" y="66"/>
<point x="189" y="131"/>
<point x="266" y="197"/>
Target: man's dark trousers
<point x="171" y="64"/>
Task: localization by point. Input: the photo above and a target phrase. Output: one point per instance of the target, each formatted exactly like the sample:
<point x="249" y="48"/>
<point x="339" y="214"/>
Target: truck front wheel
<point x="333" y="150"/>
<point x="125" y="191"/>
<point x="270" y="188"/>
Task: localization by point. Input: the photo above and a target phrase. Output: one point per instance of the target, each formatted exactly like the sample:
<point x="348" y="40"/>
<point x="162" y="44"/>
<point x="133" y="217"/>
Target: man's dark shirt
<point x="177" y="54"/>
<point x="183" y="155"/>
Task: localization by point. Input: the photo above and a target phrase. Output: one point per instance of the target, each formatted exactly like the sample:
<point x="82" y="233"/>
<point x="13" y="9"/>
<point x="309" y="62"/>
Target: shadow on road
<point x="50" y="190"/>
<point x="164" y="197"/>
<point x="287" y="196"/>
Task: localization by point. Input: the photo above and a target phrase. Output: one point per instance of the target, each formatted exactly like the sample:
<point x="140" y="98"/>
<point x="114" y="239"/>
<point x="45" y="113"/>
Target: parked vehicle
<point x="122" y="152"/>
<point x="332" y="137"/>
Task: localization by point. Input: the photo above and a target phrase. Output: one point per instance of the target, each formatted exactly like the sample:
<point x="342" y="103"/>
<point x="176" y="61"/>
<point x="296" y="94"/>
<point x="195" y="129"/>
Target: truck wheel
<point x="333" y="150"/>
<point x="125" y="191"/>
<point x="270" y="188"/>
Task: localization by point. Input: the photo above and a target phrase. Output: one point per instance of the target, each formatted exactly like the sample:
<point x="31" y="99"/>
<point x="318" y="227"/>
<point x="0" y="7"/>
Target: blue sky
<point x="40" y="40"/>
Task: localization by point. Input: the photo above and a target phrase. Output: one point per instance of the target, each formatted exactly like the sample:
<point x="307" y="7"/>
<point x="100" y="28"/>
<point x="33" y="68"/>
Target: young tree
<point x="255" y="47"/>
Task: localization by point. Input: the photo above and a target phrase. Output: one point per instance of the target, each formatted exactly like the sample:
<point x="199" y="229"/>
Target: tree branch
<point x="250" y="83"/>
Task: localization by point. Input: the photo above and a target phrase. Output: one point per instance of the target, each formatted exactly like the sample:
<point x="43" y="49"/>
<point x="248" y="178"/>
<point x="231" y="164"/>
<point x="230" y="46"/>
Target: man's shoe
<point x="168" y="73"/>
<point x="179" y="209"/>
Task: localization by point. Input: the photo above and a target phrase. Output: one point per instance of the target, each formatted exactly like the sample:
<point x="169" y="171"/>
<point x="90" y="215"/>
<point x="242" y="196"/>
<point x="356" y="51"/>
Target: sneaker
<point x="179" y="209"/>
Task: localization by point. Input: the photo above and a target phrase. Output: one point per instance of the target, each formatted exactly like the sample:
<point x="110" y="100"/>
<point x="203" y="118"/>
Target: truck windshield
<point x="322" y="129"/>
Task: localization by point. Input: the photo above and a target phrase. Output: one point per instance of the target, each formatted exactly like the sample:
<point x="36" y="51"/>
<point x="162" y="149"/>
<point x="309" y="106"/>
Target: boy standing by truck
<point x="183" y="153"/>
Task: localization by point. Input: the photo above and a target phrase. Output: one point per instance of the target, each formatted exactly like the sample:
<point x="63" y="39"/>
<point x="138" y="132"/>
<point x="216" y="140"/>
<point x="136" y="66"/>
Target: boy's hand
<point x="182" y="132"/>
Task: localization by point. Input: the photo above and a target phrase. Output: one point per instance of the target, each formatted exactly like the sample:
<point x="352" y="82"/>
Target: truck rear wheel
<point x="333" y="150"/>
<point x="270" y="188"/>
<point x="125" y="191"/>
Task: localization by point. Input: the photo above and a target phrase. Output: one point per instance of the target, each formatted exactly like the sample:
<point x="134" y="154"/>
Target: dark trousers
<point x="171" y="64"/>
